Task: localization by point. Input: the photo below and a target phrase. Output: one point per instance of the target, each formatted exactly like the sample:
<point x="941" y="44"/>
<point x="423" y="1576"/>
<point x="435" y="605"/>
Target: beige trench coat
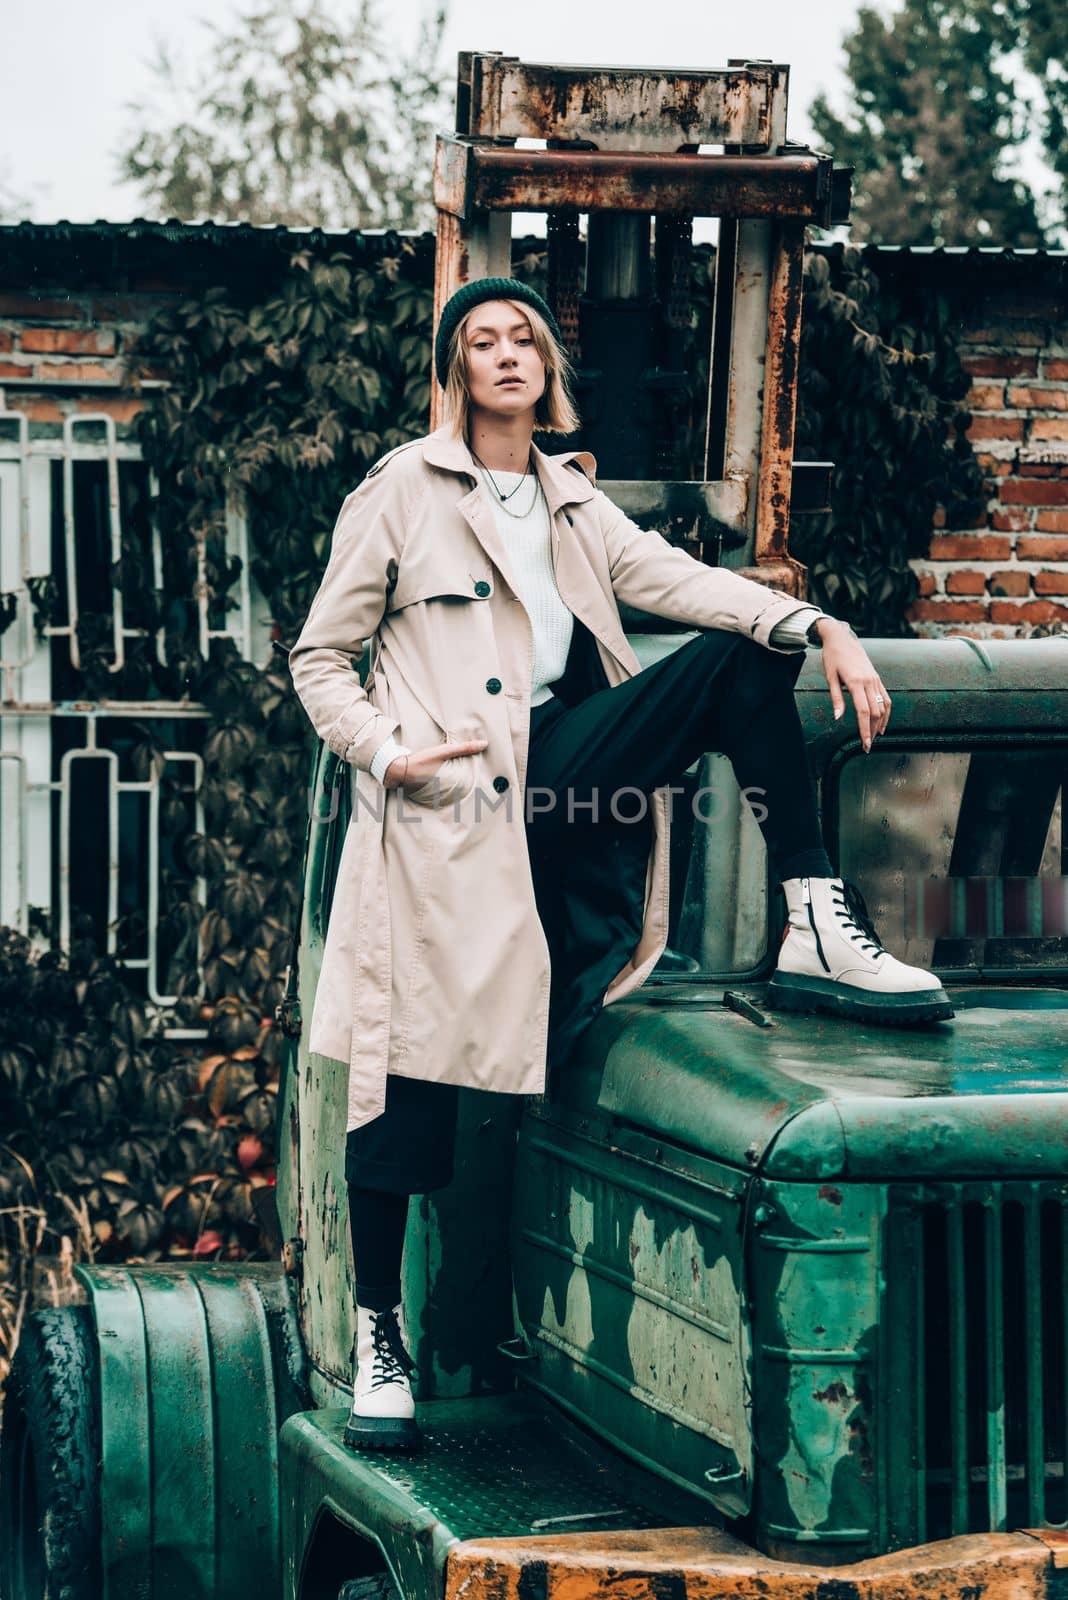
<point x="436" y="965"/>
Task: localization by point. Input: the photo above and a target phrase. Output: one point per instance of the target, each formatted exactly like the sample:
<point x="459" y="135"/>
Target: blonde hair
<point x="555" y="411"/>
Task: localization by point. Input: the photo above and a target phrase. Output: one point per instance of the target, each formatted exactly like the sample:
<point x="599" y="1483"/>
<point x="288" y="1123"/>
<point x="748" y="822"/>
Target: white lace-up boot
<point x="832" y="959"/>
<point x="383" y="1411"/>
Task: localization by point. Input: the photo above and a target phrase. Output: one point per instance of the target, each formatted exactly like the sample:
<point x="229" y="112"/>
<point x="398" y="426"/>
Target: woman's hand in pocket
<point x="424" y="765"/>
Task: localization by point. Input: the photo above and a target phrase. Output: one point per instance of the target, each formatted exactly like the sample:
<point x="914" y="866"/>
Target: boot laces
<point x="392" y="1363"/>
<point x="852" y="910"/>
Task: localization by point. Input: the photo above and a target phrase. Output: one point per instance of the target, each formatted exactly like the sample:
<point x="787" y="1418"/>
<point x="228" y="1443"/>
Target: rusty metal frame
<point x="624" y="139"/>
<point x="471" y="177"/>
<point x="501" y="97"/>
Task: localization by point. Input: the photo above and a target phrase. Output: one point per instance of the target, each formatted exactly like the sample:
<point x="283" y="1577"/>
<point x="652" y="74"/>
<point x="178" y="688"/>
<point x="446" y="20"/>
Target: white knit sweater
<point x="528" y="545"/>
<point x="527" y="542"/>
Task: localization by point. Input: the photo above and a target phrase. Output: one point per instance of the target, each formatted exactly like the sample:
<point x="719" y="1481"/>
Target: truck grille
<point x="975" y="1358"/>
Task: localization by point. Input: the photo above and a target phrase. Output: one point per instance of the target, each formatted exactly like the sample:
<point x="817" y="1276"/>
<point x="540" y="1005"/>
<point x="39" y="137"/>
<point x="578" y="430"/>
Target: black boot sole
<point x="788" y="991"/>
<point x="382" y="1433"/>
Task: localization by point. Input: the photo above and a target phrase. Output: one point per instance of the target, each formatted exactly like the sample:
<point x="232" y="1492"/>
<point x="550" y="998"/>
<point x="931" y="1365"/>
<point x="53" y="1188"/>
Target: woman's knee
<point x="760" y="674"/>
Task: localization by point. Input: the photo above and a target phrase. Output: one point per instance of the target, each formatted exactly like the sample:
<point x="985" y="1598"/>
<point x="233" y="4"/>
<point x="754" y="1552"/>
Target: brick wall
<point x="67" y="354"/>
<point x="1009" y="575"/>
<point x="75" y="298"/>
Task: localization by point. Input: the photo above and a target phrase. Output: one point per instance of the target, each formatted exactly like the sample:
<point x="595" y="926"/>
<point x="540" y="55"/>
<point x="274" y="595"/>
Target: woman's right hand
<point x="423" y="765"/>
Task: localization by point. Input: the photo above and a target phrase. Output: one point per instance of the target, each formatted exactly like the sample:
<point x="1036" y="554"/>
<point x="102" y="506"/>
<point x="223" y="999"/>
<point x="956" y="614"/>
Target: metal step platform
<point x="502" y="1466"/>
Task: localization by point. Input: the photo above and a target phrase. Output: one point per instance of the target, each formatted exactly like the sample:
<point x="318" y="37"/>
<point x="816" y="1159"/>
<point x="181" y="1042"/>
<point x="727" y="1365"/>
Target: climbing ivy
<point x="880" y="394"/>
<point x="287" y="397"/>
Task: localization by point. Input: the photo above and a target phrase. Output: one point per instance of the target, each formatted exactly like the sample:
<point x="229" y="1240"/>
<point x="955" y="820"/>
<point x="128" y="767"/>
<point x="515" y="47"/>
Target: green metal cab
<point x="787" y="1280"/>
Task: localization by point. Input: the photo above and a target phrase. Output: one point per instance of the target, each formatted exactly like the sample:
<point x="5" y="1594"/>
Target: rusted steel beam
<point x="478" y="248"/>
<point x="501" y="97"/>
<point x="469" y="178"/>
<point x="707" y="1564"/>
<point x="780" y="393"/>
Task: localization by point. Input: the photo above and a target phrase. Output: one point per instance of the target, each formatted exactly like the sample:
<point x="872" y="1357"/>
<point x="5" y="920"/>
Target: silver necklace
<point x="518" y="515"/>
<point x="499" y="491"/>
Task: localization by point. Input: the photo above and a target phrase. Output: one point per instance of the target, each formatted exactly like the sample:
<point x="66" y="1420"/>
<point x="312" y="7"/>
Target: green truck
<point x="789" y="1293"/>
<point x="750" y="1303"/>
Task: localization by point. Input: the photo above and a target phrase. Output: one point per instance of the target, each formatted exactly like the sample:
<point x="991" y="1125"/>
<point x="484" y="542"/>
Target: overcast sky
<point x="68" y="68"/>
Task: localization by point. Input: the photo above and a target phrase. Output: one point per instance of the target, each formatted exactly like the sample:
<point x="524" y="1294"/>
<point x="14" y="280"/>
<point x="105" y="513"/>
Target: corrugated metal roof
<point x="958" y="252"/>
<point x="225" y="233"/>
<point x="181" y="232"/>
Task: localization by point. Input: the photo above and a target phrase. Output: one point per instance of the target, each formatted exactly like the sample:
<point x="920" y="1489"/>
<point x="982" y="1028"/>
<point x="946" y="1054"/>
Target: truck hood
<point x="816" y="1098"/>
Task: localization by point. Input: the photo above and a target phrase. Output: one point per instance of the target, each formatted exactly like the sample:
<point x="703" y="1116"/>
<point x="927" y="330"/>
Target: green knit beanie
<point x="473" y="294"/>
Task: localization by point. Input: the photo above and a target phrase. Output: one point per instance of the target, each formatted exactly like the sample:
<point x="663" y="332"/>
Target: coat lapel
<point x="564" y="486"/>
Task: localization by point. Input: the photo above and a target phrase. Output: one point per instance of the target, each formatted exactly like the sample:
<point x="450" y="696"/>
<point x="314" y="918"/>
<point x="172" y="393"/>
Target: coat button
<point x="493" y="685"/>
<point x="500" y="784"/>
<point x="482" y="589"/>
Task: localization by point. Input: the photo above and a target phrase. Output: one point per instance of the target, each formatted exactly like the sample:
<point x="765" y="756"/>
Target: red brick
<point x="1049" y="428"/>
<point x="68" y="341"/>
<point x="948" y="611"/>
<point x="1053" y="522"/>
<point x="6" y="340"/>
<point x="1037" y="469"/>
<point x="123" y="408"/>
<point x="1056" y="367"/>
<point x="1042" y="549"/>
<point x="31" y="305"/>
<point x="1034" y="492"/>
<point x="926" y="583"/>
<point x="993" y="466"/>
<point x="1051" y="582"/>
<point x="1016" y="520"/>
<point x="970" y="547"/>
<point x="966" y="581"/>
<point x="1011" y="582"/>
<point x="1031" y="307"/>
<point x="1004" y="333"/>
<point x="11" y="369"/>
<point x="994" y="425"/>
<point x="1039" y="399"/>
<point x="75" y="372"/>
<point x="38" y="409"/>
<point x="1001" y="366"/>
<point x="987" y="397"/>
<point x="1027" y="611"/>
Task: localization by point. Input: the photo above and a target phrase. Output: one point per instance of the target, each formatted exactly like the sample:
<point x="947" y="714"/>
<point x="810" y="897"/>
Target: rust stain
<point x="834" y="1393"/>
<point x="827" y="1191"/>
<point x="709" y="1564"/>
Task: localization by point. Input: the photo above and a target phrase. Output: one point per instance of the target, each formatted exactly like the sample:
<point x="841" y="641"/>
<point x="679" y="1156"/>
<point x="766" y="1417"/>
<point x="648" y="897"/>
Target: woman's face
<point x="505" y="373"/>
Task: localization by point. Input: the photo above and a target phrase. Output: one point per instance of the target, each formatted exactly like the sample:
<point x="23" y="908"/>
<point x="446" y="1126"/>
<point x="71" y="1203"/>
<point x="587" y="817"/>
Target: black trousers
<point x="590" y="764"/>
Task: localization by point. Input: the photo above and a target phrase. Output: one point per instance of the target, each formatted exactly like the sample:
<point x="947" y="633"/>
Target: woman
<point x="503" y="717"/>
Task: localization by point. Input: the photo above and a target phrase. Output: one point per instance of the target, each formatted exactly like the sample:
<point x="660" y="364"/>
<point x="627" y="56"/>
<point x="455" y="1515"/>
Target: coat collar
<point x="563" y="484"/>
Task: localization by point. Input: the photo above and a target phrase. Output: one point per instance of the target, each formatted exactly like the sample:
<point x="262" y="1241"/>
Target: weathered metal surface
<point x="498" y="1466"/>
<point x="629" y="1287"/>
<point x="935" y="1103"/>
<point x="774" y="479"/>
<point x="709" y="517"/>
<point x="198" y="1369"/>
<point x="652" y="109"/>
<point x="1055" y="1540"/>
<point x="471" y="177"/>
<point x="704" y="1564"/>
<point x="975" y="1289"/>
<point x="743" y="288"/>
<point x="884" y="1409"/>
<point x="814" y="1279"/>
